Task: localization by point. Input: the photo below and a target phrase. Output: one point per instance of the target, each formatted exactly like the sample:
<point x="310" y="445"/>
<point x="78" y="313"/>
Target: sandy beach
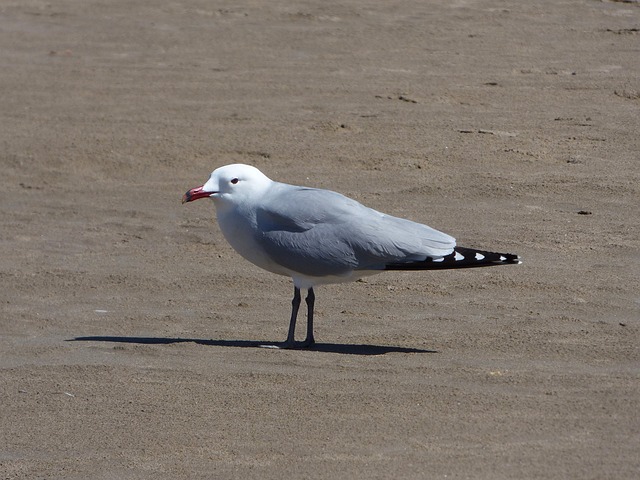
<point x="130" y="331"/>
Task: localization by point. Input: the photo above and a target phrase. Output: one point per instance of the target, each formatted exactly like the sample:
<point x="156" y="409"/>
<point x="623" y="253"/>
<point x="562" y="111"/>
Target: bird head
<point x="231" y="183"/>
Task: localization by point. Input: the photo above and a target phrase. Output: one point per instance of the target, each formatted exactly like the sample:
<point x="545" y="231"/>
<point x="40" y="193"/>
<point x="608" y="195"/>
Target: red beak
<point x="195" y="194"/>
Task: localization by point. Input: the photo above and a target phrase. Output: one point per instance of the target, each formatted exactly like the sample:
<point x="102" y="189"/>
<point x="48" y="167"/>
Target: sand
<point x="130" y="331"/>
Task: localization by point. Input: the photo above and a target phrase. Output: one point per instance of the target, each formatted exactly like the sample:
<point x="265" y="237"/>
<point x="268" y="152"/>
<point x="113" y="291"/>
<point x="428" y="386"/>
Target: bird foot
<point x="309" y="342"/>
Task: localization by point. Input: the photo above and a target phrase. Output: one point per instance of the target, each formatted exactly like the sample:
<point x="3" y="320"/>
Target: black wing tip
<point x="461" y="257"/>
<point x="482" y="257"/>
<point x="500" y="258"/>
<point x="511" y="258"/>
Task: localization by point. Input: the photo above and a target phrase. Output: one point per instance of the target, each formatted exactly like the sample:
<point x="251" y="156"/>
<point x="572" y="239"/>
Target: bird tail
<point x="460" y="258"/>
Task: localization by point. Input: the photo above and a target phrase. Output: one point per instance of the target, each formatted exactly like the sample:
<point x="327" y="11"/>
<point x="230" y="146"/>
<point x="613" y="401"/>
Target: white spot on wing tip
<point x="502" y="258"/>
<point x="458" y="257"/>
<point x="479" y="256"/>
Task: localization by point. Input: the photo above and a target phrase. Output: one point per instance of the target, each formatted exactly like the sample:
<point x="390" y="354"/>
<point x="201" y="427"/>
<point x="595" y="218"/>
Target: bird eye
<point x="234" y="181"/>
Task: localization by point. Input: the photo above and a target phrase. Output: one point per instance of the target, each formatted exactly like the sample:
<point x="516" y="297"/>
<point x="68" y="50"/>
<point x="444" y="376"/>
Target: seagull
<point x="319" y="237"/>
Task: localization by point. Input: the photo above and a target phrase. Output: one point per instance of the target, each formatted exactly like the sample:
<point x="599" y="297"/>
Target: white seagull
<point x="318" y="236"/>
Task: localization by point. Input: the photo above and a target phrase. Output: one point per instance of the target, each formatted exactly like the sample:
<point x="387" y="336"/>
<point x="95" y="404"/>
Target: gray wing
<point x="319" y="232"/>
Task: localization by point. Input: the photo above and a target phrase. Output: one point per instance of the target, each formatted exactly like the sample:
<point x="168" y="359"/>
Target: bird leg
<point x="295" y="305"/>
<point x="290" y="342"/>
<point x="311" y="297"/>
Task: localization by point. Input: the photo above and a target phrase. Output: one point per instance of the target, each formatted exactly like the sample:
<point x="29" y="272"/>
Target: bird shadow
<point x="342" y="348"/>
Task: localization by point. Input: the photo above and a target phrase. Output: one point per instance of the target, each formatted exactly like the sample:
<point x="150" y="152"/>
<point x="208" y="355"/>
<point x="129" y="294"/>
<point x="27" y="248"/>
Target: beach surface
<point x="130" y="331"/>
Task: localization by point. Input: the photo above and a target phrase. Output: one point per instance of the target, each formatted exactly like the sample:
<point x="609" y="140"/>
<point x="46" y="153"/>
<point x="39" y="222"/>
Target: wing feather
<point x="318" y="232"/>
